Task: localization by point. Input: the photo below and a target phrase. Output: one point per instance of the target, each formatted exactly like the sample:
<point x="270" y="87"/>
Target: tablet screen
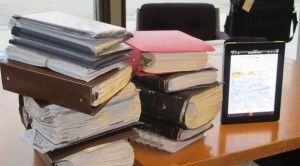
<point x="252" y="82"/>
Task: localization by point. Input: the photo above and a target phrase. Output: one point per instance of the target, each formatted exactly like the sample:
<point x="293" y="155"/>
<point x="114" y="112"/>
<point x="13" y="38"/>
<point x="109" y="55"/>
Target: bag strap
<point x="233" y="1"/>
<point x="295" y="22"/>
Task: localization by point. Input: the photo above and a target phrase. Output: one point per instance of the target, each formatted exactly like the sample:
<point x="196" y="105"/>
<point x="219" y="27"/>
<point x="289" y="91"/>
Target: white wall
<point x="82" y="8"/>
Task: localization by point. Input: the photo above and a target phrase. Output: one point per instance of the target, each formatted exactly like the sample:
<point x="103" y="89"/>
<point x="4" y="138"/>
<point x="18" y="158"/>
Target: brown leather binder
<point x="44" y="84"/>
<point x="51" y="158"/>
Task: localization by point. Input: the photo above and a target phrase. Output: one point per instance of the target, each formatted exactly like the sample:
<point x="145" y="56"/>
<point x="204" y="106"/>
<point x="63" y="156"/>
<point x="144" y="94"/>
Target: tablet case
<point x="44" y="84"/>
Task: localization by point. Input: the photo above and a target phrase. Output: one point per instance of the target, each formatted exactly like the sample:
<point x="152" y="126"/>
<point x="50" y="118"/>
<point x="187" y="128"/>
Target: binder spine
<point x="162" y="106"/>
<point x="44" y="86"/>
<point x="159" y="127"/>
<point x="152" y="81"/>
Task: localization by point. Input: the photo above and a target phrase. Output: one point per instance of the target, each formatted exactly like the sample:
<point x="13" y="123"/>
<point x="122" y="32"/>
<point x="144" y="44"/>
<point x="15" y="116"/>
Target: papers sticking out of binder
<point x="68" y="24"/>
<point x="188" y="109"/>
<point x="90" y="35"/>
<point x="88" y="43"/>
<point x="163" y="143"/>
<point x="37" y="58"/>
<point x="178" y="81"/>
<point x="110" y="149"/>
<point x="166" y="51"/>
<point x="71" y="56"/>
<point x="43" y="84"/>
<point x="58" y="127"/>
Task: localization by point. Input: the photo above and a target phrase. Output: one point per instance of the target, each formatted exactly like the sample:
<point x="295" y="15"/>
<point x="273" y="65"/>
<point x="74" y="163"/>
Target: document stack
<point x="77" y="100"/>
<point x="178" y="103"/>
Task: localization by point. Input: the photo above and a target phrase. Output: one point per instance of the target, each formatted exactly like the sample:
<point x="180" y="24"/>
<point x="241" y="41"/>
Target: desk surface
<point x="223" y="145"/>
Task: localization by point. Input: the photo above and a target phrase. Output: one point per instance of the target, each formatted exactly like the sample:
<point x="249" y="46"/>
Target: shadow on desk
<point x="290" y="158"/>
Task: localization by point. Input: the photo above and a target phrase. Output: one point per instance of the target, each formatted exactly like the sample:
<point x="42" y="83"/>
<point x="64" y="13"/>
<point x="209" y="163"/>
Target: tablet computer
<point x="252" y="75"/>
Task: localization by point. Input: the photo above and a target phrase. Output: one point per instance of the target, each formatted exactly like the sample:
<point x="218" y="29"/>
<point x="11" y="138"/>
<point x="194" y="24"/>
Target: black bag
<point x="263" y="18"/>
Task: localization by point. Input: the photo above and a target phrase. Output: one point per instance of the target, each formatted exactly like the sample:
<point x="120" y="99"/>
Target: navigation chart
<point x="252" y="82"/>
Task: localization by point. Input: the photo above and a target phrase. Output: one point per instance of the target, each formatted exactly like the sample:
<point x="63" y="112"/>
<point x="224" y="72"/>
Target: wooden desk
<point x="233" y="144"/>
<point x="223" y="145"/>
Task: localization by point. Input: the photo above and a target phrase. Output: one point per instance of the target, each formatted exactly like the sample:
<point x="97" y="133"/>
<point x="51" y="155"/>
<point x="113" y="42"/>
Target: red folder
<point x="164" y="41"/>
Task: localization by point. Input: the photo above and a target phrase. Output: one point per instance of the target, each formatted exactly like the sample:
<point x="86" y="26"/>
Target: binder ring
<point x="46" y="61"/>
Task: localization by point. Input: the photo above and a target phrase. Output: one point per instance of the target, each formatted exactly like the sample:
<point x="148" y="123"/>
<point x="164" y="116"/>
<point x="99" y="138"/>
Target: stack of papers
<point x="114" y="153"/>
<point x="76" y="99"/>
<point x="74" y="46"/>
<point x="55" y="127"/>
<point x="108" y="150"/>
<point x="38" y="58"/>
<point x="69" y="28"/>
<point x="157" y="141"/>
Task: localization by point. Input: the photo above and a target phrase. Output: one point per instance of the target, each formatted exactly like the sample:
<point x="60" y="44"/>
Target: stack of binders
<point x="77" y="101"/>
<point x="180" y="94"/>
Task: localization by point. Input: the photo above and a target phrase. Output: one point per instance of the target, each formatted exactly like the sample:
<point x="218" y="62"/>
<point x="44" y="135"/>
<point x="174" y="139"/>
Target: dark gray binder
<point x="72" y="56"/>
